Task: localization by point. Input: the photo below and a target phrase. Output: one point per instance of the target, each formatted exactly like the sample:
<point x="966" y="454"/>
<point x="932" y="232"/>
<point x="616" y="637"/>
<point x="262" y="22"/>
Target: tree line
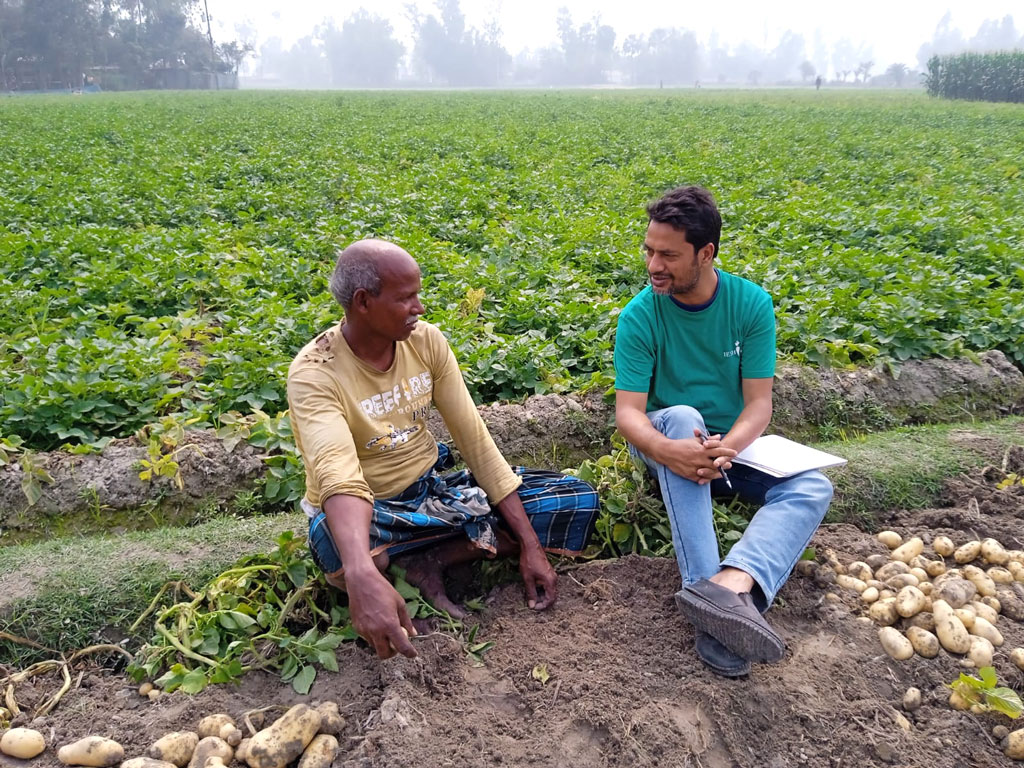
<point x="62" y="44"/>
<point x="445" y="51"/>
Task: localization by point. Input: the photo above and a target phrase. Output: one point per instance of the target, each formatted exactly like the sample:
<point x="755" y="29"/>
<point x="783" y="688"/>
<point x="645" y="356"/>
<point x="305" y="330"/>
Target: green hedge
<point x="977" y="76"/>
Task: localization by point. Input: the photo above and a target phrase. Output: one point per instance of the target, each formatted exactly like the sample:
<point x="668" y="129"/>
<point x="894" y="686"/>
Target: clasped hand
<point x="698" y="459"/>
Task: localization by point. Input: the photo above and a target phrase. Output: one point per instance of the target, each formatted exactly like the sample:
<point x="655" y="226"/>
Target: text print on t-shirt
<point x="400" y="397"/>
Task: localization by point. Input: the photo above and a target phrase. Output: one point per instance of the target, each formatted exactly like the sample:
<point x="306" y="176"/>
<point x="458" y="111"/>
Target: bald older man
<point x="376" y="486"/>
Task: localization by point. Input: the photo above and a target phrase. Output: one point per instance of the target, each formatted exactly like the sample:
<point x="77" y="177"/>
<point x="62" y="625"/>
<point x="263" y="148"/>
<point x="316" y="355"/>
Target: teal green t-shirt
<point x="697" y="357"/>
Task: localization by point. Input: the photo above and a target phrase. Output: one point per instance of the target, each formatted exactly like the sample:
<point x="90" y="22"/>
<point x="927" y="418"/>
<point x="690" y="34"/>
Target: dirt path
<point x="625" y="687"/>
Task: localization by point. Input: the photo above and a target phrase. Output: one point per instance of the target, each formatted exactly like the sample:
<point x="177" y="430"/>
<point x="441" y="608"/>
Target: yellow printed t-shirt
<point x="363" y="432"/>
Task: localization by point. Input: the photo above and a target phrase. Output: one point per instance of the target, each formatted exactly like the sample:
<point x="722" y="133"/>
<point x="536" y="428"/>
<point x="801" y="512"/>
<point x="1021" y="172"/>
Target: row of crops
<point x="978" y="76"/>
<point x="168" y="253"/>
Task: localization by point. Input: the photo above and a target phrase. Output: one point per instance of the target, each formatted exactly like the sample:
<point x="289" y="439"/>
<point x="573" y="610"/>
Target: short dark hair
<point x="691" y="210"/>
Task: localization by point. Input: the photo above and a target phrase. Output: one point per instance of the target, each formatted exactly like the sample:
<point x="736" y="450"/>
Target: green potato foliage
<point x="167" y="254"/>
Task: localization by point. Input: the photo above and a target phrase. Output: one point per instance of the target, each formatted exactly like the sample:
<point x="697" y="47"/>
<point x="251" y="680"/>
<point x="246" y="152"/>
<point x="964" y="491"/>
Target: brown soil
<point x="625" y="687"/>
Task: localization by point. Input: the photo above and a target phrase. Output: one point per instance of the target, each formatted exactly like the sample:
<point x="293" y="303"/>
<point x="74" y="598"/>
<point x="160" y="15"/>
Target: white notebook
<point x="775" y="455"/>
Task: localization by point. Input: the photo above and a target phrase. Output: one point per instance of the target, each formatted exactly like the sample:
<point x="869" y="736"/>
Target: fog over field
<point x="647" y="42"/>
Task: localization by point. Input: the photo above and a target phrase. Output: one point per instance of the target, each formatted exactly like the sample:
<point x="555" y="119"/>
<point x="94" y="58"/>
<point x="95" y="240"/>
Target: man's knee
<point x="677" y="421"/>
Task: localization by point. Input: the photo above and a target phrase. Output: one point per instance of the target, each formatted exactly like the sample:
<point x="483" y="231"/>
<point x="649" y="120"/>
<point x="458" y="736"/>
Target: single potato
<point x="93" y="751"/>
<point x="23" y="743"/>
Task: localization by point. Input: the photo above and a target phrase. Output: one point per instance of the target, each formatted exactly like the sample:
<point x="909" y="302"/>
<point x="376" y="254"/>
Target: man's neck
<point x="374" y="350"/>
<point x="703" y="291"/>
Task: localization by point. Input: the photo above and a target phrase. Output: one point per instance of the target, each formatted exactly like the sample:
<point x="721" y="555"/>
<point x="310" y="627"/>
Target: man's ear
<point x="707" y="253"/>
<point x="359" y="300"/>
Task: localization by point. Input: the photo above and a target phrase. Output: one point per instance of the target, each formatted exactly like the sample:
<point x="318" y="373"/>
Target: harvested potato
<point x="1014" y="745"/>
<point x="950" y="630"/>
<point x="911" y="699"/>
<point x="876" y="561"/>
<point x="981" y="652"/>
<point x="145" y="688"/>
<point x="240" y="750"/>
<point x="992" y="602"/>
<point x="1015" y="555"/>
<point x="908" y="551"/>
<point x="891" y="539"/>
<point x="285" y="740"/>
<point x="901" y="580"/>
<point x="986" y="587"/>
<point x="833" y="561"/>
<point x="956" y="701"/>
<point x="331" y="721"/>
<point x="860" y="570"/>
<point x="927" y="587"/>
<point x="883" y="611"/>
<point x="869" y="595"/>
<point x="211" y="746"/>
<point x="94" y="751"/>
<point x="1017" y="569"/>
<point x="985" y="611"/>
<point x="849" y="582"/>
<point x="176" y="747"/>
<point x="320" y="753"/>
<point x="920" y="574"/>
<point x="966" y="616"/>
<point x="1010" y="605"/>
<point x="935" y="568"/>
<point x="146" y="762"/>
<point x="983" y="628"/>
<point x="967" y="552"/>
<point x="1000" y="575"/>
<point x="992" y="552"/>
<point x="155" y="694"/>
<point x="211" y="725"/>
<point x="924" y="643"/>
<point x="924" y="620"/>
<point x="1017" y="657"/>
<point x="889" y="570"/>
<point x="895" y="644"/>
<point x="23" y="743"/>
<point x="956" y="592"/>
<point x="943" y="546"/>
<point x="909" y="601"/>
<point x="805" y="567"/>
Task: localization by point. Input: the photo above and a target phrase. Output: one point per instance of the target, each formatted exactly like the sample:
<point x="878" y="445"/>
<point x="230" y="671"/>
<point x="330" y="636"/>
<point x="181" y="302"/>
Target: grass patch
<point x="905" y="468"/>
<point x="71" y="592"/>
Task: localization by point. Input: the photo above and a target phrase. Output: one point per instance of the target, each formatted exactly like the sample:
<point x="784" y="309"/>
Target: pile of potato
<point x="304" y="733"/>
<point x="925" y="604"/>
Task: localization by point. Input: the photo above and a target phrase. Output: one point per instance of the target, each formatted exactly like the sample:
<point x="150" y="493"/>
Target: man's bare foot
<point x="734" y="579"/>
<point x="426" y="573"/>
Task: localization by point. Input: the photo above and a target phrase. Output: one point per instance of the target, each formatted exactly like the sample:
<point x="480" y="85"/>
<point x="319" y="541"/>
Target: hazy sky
<point x="893" y="28"/>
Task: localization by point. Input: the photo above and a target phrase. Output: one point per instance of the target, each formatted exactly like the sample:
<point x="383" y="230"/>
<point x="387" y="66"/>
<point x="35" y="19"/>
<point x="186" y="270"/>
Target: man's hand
<point x="539" y="578"/>
<point x="697" y="461"/>
<point x="378" y="614"/>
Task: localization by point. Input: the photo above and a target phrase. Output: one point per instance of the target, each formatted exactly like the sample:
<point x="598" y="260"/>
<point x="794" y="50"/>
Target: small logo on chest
<point x="734" y="352"/>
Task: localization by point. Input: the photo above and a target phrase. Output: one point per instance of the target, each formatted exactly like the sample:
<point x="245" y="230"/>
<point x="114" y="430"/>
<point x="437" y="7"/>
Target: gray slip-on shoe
<point x="718" y="658"/>
<point x="732" y="619"/>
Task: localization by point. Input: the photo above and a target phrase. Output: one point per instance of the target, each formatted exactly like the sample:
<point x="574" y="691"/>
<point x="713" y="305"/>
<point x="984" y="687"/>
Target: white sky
<point x="894" y="29"/>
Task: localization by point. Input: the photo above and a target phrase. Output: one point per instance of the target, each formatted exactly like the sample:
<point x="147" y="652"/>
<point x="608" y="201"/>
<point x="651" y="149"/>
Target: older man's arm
<point x="378" y="612"/>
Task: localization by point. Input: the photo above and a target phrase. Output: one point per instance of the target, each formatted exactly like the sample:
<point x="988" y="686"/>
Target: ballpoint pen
<point x="704" y="436"/>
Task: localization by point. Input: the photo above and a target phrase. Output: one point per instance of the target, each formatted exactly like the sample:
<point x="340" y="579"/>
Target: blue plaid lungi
<point x="562" y="510"/>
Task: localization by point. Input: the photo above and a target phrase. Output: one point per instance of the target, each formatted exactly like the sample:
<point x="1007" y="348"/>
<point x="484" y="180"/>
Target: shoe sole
<point x="722" y="672"/>
<point x="740" y="635"/>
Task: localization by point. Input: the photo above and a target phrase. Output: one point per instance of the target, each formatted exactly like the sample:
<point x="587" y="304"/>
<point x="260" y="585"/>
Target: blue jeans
<point x="793" y="507"/>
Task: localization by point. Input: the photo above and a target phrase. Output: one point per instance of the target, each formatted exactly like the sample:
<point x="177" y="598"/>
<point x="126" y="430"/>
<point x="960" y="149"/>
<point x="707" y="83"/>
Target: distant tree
<point x="234" y="53"/>
<point x="587" y="51"/>
<point x="448" y="52"/>
<point x="896" y="74"/>
<point x="863" y="70"/>
<point x="784" y="61"/>
<point x="807" y="71"/>
<point x="667" y="56"/>
<point x="364" y="52"/>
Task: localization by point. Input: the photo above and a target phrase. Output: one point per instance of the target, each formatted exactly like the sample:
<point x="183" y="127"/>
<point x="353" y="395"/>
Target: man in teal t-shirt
<point x="694" y="366"/>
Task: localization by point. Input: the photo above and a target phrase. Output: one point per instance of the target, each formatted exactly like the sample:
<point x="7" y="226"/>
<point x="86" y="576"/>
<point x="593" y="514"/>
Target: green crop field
<point x="168" y="253"/>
